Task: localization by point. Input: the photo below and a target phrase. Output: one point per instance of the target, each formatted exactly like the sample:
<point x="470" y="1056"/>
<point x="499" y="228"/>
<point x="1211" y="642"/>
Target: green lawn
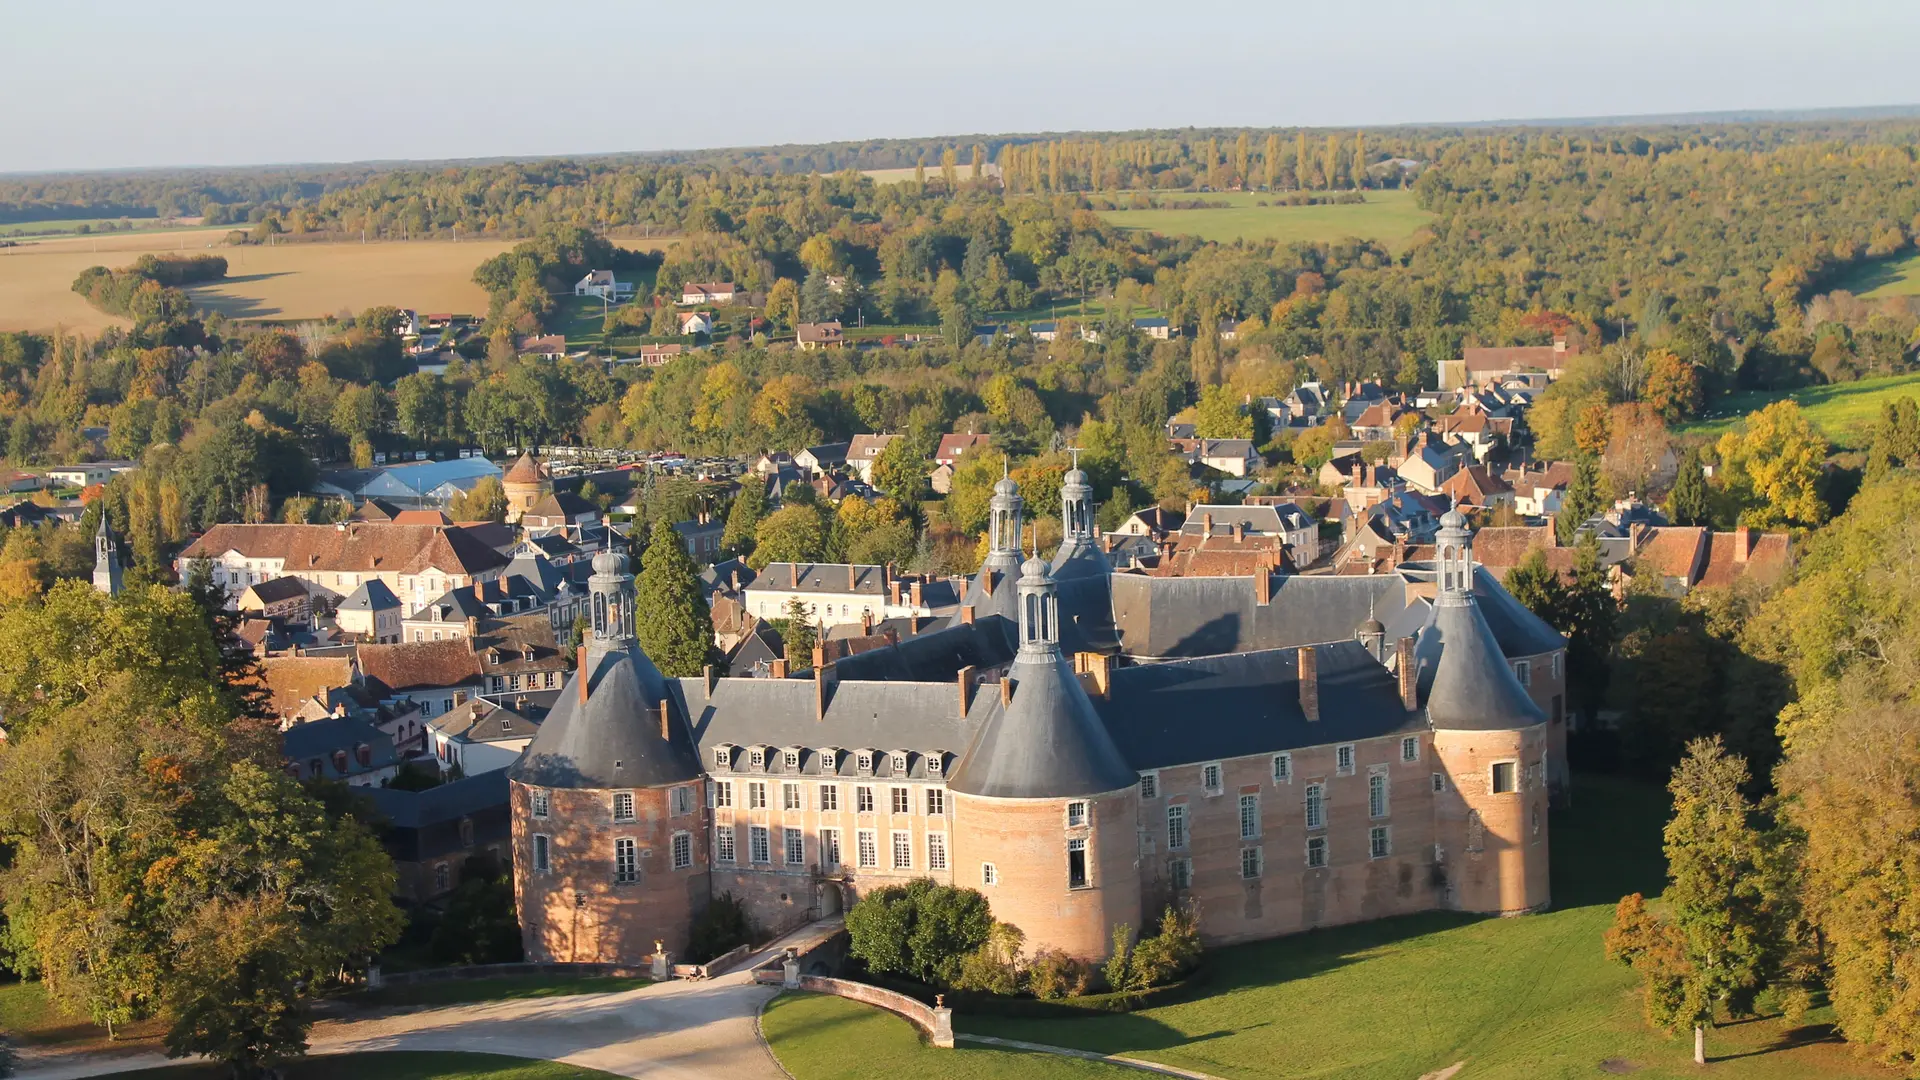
<point x="505" y="988"/>
<point x="394" y="1065"/>
<point x="1388" y="216"/>
<point x="1884" y="277"/>
<point x="1845" y="411"/>
<point x="818" y="1037"/>
<point x="27" y="1017"/>
<point x="1530" y="997"/>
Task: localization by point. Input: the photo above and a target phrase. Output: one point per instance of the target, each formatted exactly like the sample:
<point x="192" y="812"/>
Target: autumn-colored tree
<point x="1771" y="463"/>
<point x="1593" y="427"/>
<point x="1674" y="387"/>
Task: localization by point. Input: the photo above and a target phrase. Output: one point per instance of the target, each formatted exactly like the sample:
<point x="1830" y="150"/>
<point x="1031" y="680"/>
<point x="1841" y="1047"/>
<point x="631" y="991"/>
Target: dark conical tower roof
<point x="1471" y="686"/>
<point x="1047" y="742"/>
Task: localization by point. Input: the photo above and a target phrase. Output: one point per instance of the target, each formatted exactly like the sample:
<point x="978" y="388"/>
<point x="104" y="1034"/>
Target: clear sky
<point x="95" y="84"/>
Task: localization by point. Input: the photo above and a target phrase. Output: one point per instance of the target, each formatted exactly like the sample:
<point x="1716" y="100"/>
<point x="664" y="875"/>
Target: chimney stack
<point x="1206" y="524"/>
<point x="778" y="669"/>
<point x="1742" y="543"/>
<point x="986" y="581"/>
<point x="473" y="633"/>
<point x="819" y="656"/>
<point x="580" y="673"/>
<point x="1309" y="683"/>
<point x="853" y="577"/>
<point x="1239" y="532"/>
<point x="915" y="593"/>
<point x="1359" y="470"/>
<point x="866" y="622"/>
<point x="823" y="679"/>
<point x="966" y="614"/>
<point x="666" y="733"/>
<point x="965" y="680"/>
<point x="707" y="673"/>
<point x="893" y="593"/>
<point x="1262" y="587"/>
<point x="1006" y="690"/>
<point x="1408" y="672"/>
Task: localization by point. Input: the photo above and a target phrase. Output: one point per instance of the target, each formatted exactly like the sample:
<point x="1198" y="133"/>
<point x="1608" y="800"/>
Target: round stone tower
<point x="608" y="803"/>
<point x="1051" y="808"/>
<point x="526" y="483"/>
<point x="1491" y="743"/>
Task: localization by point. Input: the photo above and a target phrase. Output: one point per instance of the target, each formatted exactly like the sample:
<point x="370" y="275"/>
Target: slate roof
<point x="935" y="656"/>
<point x="1466" y="681"/>
<point x="561" y="504"/>
<point x="1519" y="632"/>
<point x="822" y="578"/>
<point x="278" y="590"/>
<point x="372" y="595"/>
<point x="1217" y="707"/>
<point x="320" y="738"/>
<point x="760" y="645"/>
<point x="1204" y="616"/>
<point x="916" y="717"/>
<point x="480" y="720"/>
<point x="446" y="802"/>
<point x="613" y="738"/>
<point x="1047" y="742"/>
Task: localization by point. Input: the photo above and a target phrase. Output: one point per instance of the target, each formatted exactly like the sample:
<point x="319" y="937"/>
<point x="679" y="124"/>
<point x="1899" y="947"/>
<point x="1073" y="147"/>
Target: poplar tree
<point x="1688" y="503"/>
<point x="744" y="516"/>
<point x="674" y="625"/>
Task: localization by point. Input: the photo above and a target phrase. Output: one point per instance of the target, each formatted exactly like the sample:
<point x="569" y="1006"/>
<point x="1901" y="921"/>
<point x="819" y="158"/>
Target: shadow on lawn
<point x="1791" y="1039"/>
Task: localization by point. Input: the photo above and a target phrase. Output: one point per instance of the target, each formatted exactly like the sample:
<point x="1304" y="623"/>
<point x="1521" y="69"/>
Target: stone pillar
<point x="790" y="970"/>
<point x="662" y="964"/>
<point x="375" y="980"/>
<point x="942" y="1033"/>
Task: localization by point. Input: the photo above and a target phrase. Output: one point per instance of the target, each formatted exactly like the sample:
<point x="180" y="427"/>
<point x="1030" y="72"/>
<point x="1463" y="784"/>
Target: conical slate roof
<point x="613" y="739"/>
<point x="1467" y="682"/>
<point x="1047" y="743"/>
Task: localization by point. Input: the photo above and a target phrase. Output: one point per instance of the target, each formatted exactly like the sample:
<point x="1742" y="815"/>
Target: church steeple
<point x="106" y="558"/>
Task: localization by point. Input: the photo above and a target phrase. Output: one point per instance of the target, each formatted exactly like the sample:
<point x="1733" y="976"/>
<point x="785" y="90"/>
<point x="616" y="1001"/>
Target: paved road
<point x="666" y="1031"/>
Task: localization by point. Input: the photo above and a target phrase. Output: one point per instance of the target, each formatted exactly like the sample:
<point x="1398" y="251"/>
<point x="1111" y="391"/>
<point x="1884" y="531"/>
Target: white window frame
<point x="1212" y="778"/>
<point x="724" y="844"/>
<point x="863" y="799"/>
<point x="1555" y="666"/>
<point x="829" y="798"/>
<point x="1249" y="816"/>
<point x="863" y="763"/>
<point x="1523" y="671"/>
<point x="626" y="861"/>
<point x="901" y="841"/>
<point x="1149" y="785"/>
<point x="1079" y="844"/>
<point x="1343" y="758"/>
<point x="1439" y="783"/>
<point x="791" y="759"/>
<point x="1283" y="768"/>
<point x="936" y="802"/>
<point x="899" y="764"/>
<point x="867" y="849"/>
<point x="936" y="851"/>
<point x="1409" y="749"/>
<point x="794" y="842"/>
<point x="756" y="758"/>
<point x="791" y="797"/>
<point x="1379" y="794"/>
<point x="900" y="800"/>
<point x="1493" y="777"/>
<point x="936" y="764"/>
<point x="1314" y="802"/>
<point x="1380" y="841"/>
<point x="542" y="853"/>
<point x="759" y="845"/>
<point x="1177" y="827"/>
<point x="722" y="791"/>
<point x="682" y="850"/>
<point x="1251" y="863"/>
<point x="989" y="876"/>
<point x="680" y="800"/>
<point x="1077" y="814"/>
<point x="541" y="802"/>
<point x="723" y="757"/>
<point x="756" y="794"/>
<point x="623" y="806"/>
<point x="1317" y="844"/>
<point x="830" y="853"/>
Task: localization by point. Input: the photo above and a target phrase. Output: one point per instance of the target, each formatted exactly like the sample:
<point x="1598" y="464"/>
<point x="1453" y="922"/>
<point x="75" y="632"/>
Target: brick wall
<point x="1026" y="840"/>
<point x="575" y="912"/>
<point x="1494" y="844"/>
<point x="917" y="1011"/>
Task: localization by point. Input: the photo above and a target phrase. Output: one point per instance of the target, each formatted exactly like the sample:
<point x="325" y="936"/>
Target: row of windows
<point x="1212" y="773"/>
<point x="626" y="855"/>
<point x="759" y="758"/>
<point x="679" y="803"/>
<point x="1253" y="859"/>
<point x="900" y="800"/>
<point x="793" y="848"/>
<point x="536" y="680"/>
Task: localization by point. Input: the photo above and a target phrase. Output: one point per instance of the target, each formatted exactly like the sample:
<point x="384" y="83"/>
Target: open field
<point x="294" y="281"/>
<point x="1388" y="216"/>
<point x="820" y="1037"/>
<point x="68" y="225"/>
<point x="394" y="1065"/>
<point x="1884" y="277"/>
<point x="1524" y="998"/>
<point x="1845" y="411"/>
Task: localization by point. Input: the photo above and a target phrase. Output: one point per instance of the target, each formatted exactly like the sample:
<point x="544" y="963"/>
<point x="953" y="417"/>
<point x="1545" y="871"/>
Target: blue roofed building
<point x="417" y="485"/>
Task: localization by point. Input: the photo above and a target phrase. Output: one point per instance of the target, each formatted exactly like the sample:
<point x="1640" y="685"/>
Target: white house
<point x="708" y="292"/>
<point x="603" y="284"/>
<point x="835" y="594"/>
<point x="93" y="472"/>
<point x="696" y="322"/>
<point x="478" y="736"/>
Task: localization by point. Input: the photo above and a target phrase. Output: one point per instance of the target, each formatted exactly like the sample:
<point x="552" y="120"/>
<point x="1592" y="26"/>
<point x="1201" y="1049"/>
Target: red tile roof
<point x="358" y="547"/>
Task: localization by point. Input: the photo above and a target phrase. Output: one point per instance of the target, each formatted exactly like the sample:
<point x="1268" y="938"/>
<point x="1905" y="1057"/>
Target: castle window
<point x="1077" y="863"/>
<point x="542" y="858"/>
<point x="899" y="763"/>
<point x="829" y="796"/>
<point x="1379" y="842"/>
<point x="1210" y="777"/>
<point x="902" y="850"/>
<point x="936" y="801"/>
<point x="1180" y="874"/>
<point x="790" y="797"/>
<point x="680" y="800"/>
<point x="1377" y="794"/>
<point x="829" y="847"/>
<point x="722" y="794"/>
<point x="936" y="851"/>
<point x="1316" y="807"/>
<point x="1503" y="778"/>
<point x="1523" y="670"/>
<point x="442" y="877"/>
<point x="1250" y="862"/>
<point x="863" y="763"/>
<point x="626" y="861"/>
<point x="623" y="806"/>
<point x="1076" y="814"/>
<point x="988" y="875"/>
<point x="1283" y="768"/>
<point x="1439" y="783"/>
<point x="869" y="849"/>
<point x="863" y="799"/>
<point x="1554" y="667"/>
<point x="682" y="850"/>
<point x="1249" y="816"/>
<point x="756" y="758"/>
<point x="757" y="844"/>
<point x="723" y="844"/>
<point x="796" y="847"/>
<point x="902" y="801"/>
<point x="541" y="802"/>
<point x="1410" y="748"/>
<point x="756" y="795"/>
<point x="1149" y="785"/>
<point x="792" y="760"/>
<point x="1176" y="827"/>
<point x="1316" y="852"/>
<point x="829" y="761"/>
<point x="935" y="762"/>
<point x="722" y="757"/>
<point x="1343" y="759"/>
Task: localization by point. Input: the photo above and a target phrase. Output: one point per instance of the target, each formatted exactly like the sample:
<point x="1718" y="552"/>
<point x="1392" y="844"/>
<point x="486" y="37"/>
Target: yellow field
<point x="296" y="281"/>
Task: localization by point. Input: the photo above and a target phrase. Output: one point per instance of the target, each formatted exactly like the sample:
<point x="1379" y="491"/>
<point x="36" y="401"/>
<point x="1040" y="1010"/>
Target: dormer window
<point x="899" y="764"/>
<point x="756" y="758"/>
<point x="723" y="757"/>
<point x="829" y="760"/>
<point x="863" y="763"/>
<point x="934" y="762"/>
<point x="791" y="759"/>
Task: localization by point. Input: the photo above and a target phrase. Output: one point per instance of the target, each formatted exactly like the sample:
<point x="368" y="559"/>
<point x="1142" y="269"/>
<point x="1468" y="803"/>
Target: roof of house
<point x="479" y="720"/>
<point x="1269" y="519"/>
<point x="1475" y="484"/>
<point x="322" y="738"/>
<point x="953" y="446"/>
<point x="442" y="803"/>
<point x="1674" y="551"/>
<point x="826" y="453"/>
<point x="278" y="590"/>
<point x="1501" y="547"/>
<point x="527" y="469"/>
<point x="1767" y="557"/>
<point x="933" y="656"/>
<point x="817" y="332"/>
<point x="1554" y="474"/>
<point x="357" y="547"/>
<point x="372" y="595"/>
<point x="1515" y="357"/>
<point x="822" y="578"/>
<point x="543" y="343"/>
<point x="1046" y="741"/>
<point x="291" y="680"/>
<point x="709" y="287"/>
<point x="510" y="645"/>
<point x="561" y="504"/>
<point x="866" y="447"/>
<point x="1202" y="616"/>
<point x="422" y="517"/>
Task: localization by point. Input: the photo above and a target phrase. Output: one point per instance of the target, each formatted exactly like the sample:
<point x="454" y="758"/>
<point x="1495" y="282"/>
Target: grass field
<point x="506" y="988"/>
<point x="68" y="225"/>
<point x="1884" y="277"/>
<point x="1528" y="998"/>
<point x="818" y="1037"/>
<point x="393" y="1065"/>
<point x="294" y="281"/>
<point x="1387" y="216"/>
<point x="1845" y="411"/>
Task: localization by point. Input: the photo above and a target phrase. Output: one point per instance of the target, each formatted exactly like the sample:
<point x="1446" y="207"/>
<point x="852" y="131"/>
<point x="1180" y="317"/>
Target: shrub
<point x="1166" y="956"/>
<point x="1052" y="975"/>
<point x="920" y="929"/>
<point x="994" y="967"/>
<point x="1117" y="966"/>
<point x="480" y="925"/>
<point x="723" y="926"/>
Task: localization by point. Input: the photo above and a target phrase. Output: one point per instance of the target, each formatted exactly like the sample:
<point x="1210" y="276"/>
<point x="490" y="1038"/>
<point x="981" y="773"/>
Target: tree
<point x="485" y="501"/>
<point x="744" y="516"/>
<point x="1673" y="386"/>
<point x="481" y="925"/>
<point x="1583" y="499"/>
<point x="674" y="625"/>
<point x="902" y="468"/>
<point x="799" y="635"/>
<point x="783" y="302"/>
<point x="921" y="930"/>
<point x="1221" y="415"/>
<point x="796" y="533"/>
<point x="1689" y="503"/>
<point x="1771" y="464"/>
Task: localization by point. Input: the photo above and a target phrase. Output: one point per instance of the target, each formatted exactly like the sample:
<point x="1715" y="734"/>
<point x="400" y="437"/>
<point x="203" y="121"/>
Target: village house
<point x="708" y="292"/>
<point x="817" y="461"/>
<point x="89" y="474"/>
<point x="1235" y="457"/>
<point x="838" y="593"/>
<point x="1426" y="460"/>
<point x="416" y="561"/>
<point x="1478" y="487"/>
<point x="1157" y="328"/>
<point x="1154" y="521"/>
<point x="821" y="335"/>
<point x="1537" y="491"/>
<point x="601" y="284"/>
<point x="371" y="613"/>
<point x="1292" y="529"/>
<point x="340" y="748"/>
<point x="479" y="736"/>
<point x="1480" y="431"/>
<point x="1682" y="558"/>
<point x="658" y="355"/>
<point x="696" y="322"/>
<point x="1480" y="365"/>
<point x="284" y="600"/>
<point x="543" y="346"/>
<point x="491" y="657"/>
<point x="864" y="451"/>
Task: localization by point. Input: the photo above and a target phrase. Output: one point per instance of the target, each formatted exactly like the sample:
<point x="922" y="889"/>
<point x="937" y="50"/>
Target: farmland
<point x="294" y="281"/>
<point x="1845" y="411"/>
<point x="1387" y="216"/>
<point x="1882" y="278"/>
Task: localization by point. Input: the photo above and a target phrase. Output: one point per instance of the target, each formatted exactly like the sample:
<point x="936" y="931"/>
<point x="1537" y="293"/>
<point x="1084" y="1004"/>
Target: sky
<point x="86" y="84"/>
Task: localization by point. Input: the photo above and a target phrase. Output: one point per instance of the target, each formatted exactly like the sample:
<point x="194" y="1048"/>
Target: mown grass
<point x="1845" y="411"/>
<point x="28" y="1018"/>
<point x="393" y="1065"/>
<point x="1882" y="278"/>
<point x="1389" y="216"/>
<point x="504" y="988"/>
<point x="1530" y="997"/>
<point x="818" y="1037"/>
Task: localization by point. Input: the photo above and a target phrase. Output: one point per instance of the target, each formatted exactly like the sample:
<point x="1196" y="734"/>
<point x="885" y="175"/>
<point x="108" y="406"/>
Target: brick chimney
<point x="966" y="614"/>
<point x="824" y="678"/>
<point x="666" y="732"/>
<point x="1309" y="683"/>
<point x="893" y="593"/>
<point x="473" y="632"/>
<point x="1239" y="532"/>
<point x="1006" y="690"/>
<point x="1359" y="471"/>
<point x="965" y="681"/>
<point x="1742" y="544"/>
<point x="866" y="623"/>
<point x="1409" y="674"/>
<point x="1099" y="670"/>
<point x="1206" y="524"/>
<point x="1262" y="587"/>
<point x="853" y="577"/>
<point x="778" y="669"/>
<point x="580" y="673"/>
<point x="915" y="593"/>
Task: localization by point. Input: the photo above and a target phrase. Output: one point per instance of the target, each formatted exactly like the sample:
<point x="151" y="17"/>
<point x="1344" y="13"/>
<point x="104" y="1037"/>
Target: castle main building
<point x="1081" y="747"/>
